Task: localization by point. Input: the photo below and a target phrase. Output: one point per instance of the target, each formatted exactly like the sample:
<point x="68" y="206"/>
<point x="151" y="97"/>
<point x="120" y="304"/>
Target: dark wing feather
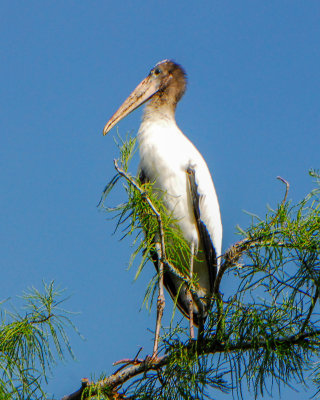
<point x="209" y="250"/>
<point x="170" y="281"/>
<point x="143" y="177"/>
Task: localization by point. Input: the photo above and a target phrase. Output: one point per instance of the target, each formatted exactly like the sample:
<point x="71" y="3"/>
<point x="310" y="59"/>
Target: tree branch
<point x="207" y="346"/>
<point x="231" y="257"/>
<point x="240" y="338"/>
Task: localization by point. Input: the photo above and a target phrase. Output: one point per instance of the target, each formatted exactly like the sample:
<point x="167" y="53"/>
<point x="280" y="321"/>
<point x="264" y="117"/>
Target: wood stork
<point x="172" y="162"/>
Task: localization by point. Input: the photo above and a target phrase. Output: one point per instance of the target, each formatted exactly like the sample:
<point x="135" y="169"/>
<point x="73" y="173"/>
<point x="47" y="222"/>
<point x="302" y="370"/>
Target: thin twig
<point x="43" y="320"/>
<point x="234" y="253"/>
<point x="139" y="351"/>
<point x="287" y="189"/>
<point x="232" y="256"/>
<point x="128" y="361"/>
<point x="135" y="360"/>
<point x="283" y="201"/>
<point x="160" y="306"/>
<point x="146" y="198"/>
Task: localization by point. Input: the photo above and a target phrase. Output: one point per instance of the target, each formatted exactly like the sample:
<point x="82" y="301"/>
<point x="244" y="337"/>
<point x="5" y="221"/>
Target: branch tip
<point x="287" y="188"/>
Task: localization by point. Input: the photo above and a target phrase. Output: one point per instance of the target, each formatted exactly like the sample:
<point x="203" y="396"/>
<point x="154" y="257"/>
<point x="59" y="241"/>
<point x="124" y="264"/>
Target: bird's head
<point x="165" y="85"/>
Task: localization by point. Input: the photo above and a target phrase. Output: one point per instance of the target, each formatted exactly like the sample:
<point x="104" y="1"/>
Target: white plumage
<point x="166" y="156"/>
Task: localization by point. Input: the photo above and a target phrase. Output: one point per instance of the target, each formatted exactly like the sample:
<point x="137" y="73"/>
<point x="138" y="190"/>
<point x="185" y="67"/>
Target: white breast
<point x="165" y="155"/>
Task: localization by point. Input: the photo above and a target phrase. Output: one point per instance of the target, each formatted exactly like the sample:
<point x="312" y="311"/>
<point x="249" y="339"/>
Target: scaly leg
<point x="160" y="304"/>
<point x="191" y="324"/>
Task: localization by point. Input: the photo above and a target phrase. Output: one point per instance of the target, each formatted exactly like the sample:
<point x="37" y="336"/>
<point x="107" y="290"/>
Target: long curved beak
<point x="142" y="93"/>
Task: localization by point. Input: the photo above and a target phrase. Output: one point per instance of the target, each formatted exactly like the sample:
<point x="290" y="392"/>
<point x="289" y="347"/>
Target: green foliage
<point x="30" y="343"/>
<point x="267" y="333"/>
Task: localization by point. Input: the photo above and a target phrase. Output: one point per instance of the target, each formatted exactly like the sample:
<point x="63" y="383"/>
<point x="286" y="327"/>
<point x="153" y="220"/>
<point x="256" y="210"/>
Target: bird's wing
<point x="173" y="284"/>
<point x="205" y="238"/>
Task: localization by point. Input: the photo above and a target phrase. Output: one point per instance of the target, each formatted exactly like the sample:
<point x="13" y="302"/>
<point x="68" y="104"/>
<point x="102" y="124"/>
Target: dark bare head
<point x="164" y="86"/>
<point x="172" y="82"/>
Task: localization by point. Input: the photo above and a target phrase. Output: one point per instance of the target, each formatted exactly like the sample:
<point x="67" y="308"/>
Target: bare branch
<point x="231" y="257"/>
<point x="207" y="346"/>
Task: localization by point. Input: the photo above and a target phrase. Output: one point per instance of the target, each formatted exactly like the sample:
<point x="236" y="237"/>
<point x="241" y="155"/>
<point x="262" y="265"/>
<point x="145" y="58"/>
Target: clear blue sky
<point x="252" y="109"/>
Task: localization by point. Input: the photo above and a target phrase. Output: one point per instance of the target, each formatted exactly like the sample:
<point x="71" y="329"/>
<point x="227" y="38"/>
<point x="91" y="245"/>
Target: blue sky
<point x="251" y="108"/>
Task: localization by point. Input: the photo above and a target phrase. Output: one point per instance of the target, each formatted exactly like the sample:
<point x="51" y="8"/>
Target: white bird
<point x="178" y="170"/>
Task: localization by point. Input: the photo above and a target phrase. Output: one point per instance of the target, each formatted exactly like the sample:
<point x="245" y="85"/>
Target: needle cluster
<point x="31" y="342"/>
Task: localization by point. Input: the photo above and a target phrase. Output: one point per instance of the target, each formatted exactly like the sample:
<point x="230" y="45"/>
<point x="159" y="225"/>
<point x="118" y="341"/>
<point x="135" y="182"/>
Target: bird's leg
<point x="160" y="302"/>
<point x="201" y="325"/>
<point x="191" y="325"/>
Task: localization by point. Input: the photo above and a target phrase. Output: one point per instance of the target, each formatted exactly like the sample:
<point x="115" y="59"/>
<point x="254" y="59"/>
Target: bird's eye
<point x="157" y="71"/>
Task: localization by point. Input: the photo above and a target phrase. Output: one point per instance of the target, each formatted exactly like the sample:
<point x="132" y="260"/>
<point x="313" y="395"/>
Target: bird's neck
<point x="157" y="110"/>
<point x="158" y="123"/>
